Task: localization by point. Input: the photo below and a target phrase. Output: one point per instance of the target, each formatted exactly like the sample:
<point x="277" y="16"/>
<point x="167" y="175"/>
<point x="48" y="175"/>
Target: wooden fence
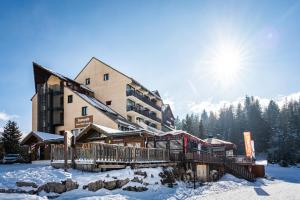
<point x="100" y="152"/>
<point x="57" y="152"/>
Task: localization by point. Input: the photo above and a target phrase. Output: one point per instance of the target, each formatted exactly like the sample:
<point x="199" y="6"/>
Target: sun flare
<point x="227" y="65"/>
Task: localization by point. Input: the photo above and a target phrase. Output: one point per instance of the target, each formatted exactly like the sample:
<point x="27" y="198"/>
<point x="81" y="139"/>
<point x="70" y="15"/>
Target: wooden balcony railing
<point x="98" y="152"/>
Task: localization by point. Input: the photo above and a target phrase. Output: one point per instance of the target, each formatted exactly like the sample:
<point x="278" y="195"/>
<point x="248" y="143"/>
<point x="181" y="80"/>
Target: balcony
<point x="142" y="98"/>
<point x="143" y="112"/>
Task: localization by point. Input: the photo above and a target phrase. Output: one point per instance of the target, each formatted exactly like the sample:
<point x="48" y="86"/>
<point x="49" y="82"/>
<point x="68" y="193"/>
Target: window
<point x="87" y="81"/>
<point x="70" y="98"/>
<point x="108" y="103"/>
<point x="106" y="77"/>
<point x="84" y="111"/>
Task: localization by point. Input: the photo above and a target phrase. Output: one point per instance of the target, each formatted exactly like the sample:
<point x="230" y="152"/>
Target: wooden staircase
<point x="238" y="170"/>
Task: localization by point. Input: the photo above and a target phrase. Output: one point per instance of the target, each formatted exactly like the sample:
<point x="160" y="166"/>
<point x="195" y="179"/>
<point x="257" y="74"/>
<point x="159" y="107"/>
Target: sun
<point x="226" y="65"/>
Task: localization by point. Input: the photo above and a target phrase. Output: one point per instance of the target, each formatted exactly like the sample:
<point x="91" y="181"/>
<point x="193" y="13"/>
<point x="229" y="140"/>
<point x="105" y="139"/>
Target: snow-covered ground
<point x="286" y="184"/>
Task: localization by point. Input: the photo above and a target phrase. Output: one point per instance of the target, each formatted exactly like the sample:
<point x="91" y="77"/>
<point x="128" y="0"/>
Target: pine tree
<point x="272" y="117"/>
<point x="11" y="137"/>
<point x="201" y="130"/>
<point x="212" y="129"/>
<point x="178" y="124"/>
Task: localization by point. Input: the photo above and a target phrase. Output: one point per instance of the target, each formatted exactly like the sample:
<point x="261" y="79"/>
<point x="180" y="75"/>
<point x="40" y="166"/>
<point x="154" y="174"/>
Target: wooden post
<point x="52" y="150"/>
<point x="66" y="151"/>
<point x="148" y="154"/>
<point x="94" y="152"/>
<point x="194" y="175"/>
<point x="73" y="145"/>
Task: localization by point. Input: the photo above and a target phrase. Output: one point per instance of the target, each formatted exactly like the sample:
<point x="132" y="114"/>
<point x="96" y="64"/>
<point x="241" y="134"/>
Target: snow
<point x="107" y="130"/>
<point x="48" y="136"/>
<point x="45" y="137"/>
<point x="4" y="196"/>
<point x="96" y="103"/>
<point x="261" y="162"/>
<point x="216" y="141"/>
<point x="281" y="183"/>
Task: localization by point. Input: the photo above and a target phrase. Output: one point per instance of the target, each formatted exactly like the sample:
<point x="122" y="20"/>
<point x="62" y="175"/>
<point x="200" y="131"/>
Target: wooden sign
<point x="81" y="122"/>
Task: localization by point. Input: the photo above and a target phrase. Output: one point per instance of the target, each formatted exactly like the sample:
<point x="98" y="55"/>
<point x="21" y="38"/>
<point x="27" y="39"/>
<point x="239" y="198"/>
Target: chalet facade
<point x="99" y="94"/>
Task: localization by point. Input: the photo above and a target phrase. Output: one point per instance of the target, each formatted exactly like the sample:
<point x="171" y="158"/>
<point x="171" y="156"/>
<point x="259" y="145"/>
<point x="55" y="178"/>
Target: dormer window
<point x="106" y="77"/>
<point x="87" y="81"/>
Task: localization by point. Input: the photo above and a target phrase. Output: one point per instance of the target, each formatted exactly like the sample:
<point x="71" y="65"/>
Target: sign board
<point x="248" y="145"/>
<point x="81" y="122"/>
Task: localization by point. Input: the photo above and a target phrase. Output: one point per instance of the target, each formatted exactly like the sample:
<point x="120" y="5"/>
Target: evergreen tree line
<point x="275" y="131"/>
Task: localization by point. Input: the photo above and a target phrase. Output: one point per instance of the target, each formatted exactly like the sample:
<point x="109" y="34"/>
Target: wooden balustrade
<point x="97" y="152"/>
<point x="57" y="152"/>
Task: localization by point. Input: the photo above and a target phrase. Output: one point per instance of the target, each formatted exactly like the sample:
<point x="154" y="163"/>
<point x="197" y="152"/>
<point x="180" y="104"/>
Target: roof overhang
<point x="42" y="137"/>
<point x="111" y="133"/>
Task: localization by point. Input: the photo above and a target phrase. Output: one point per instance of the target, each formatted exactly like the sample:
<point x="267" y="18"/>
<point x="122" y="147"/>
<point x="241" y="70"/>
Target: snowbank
<point x="228" y="187"/>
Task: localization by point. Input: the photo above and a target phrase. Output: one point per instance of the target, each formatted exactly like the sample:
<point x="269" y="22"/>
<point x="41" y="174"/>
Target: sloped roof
<point x="42" y="73"/>
<point x="216" y="141"/>
<point x="96" y="103"/>
<point x="43" y="137"/>
<point x="133" y="80"/>
<point x="178" y="132"/>
<point x="109" y="132"/>
<point x="166" y="107"/>
<point x="106" y="110"/>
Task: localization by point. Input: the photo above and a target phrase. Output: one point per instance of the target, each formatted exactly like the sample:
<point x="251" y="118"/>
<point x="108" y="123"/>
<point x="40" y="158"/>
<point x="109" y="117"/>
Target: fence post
<point x="65" y="151"/>
<point x="52" y="148"/>
<point x="94" y="152"/>
<point x="117" y="156"/>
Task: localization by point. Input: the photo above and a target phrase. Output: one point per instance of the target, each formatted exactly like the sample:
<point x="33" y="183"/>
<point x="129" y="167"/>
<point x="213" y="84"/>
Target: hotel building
<point x="99" y="94"/>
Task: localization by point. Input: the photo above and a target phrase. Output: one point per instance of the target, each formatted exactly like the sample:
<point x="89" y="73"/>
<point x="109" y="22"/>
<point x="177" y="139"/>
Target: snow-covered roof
<point x="48" y="136"/>
<point x="96" y="103"/>
<point x="43" y="137"/>
<point x="107" y="110"/>
<point x="107" y="130"/>
<point x="178" y="132"/>
<point x="216" y="141"/>
<point x="110" y="132"/>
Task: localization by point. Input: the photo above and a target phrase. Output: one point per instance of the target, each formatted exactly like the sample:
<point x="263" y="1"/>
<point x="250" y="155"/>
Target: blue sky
<point x="166" y="45"/>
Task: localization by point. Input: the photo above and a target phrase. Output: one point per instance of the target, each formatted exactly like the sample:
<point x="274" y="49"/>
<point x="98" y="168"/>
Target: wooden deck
<point x="100" y="157"/>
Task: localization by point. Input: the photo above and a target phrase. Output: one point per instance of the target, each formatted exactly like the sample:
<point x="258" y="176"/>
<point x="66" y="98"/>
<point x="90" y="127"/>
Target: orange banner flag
<point x="248" y="146"/>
